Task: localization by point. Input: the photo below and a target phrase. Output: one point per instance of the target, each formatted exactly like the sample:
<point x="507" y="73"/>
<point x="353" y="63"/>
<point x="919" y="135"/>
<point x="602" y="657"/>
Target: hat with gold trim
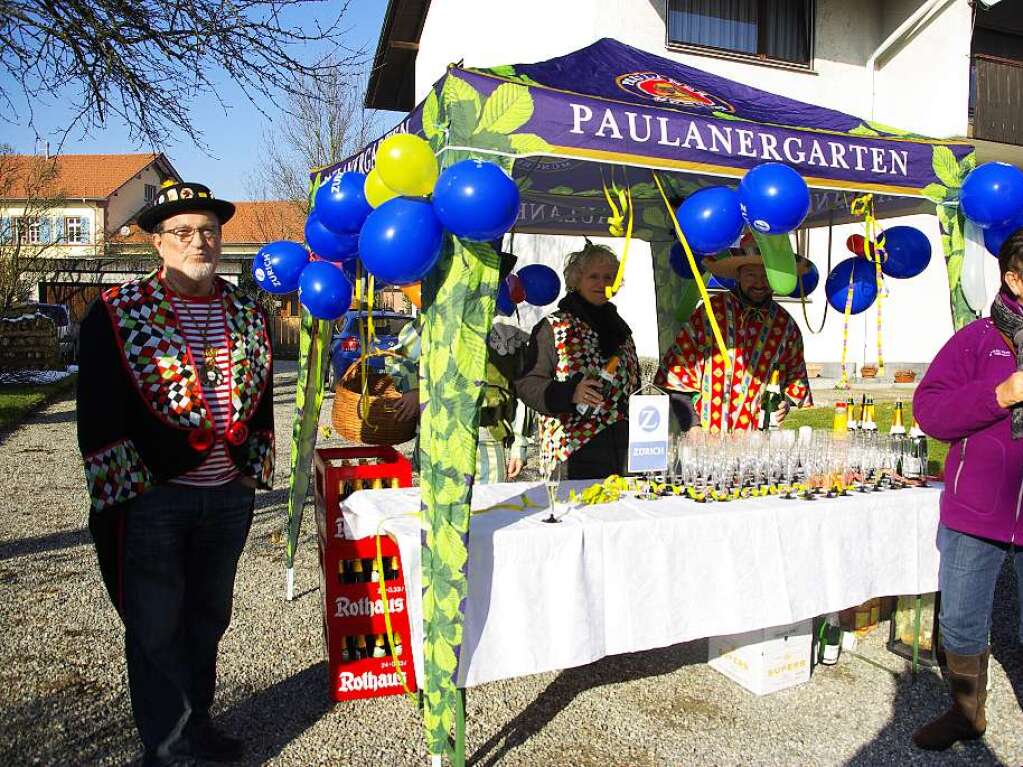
<point x="184" y="197"/>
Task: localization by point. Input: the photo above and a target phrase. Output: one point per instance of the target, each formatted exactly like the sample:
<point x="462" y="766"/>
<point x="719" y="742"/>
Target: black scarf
<point x="1007" y="316"/>
<point x="611" y="329"/>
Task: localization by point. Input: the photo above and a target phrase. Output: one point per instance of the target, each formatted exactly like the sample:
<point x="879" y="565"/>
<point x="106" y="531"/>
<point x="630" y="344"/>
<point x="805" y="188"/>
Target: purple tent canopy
<point x="612" y="113"/>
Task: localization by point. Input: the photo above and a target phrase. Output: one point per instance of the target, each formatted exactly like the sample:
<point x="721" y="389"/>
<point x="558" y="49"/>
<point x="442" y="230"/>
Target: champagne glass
<point x="551" y="484"/>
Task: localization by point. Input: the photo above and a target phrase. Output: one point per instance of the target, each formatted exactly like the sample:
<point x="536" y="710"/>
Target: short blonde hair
<point x="578" y="261"/>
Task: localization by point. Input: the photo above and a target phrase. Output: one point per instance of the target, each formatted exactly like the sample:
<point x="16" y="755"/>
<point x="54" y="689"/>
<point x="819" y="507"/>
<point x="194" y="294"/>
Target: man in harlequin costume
<point x="175" y="426"/>
<point x="761" y="339"/>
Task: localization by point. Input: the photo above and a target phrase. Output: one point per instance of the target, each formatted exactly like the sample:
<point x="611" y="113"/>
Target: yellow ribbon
<point x="873" y="250"/>
<point x="844" y="382"/>
<point x="378" y="565"/>
<point x="618" y="213"/>
<point x="697" y="276"/>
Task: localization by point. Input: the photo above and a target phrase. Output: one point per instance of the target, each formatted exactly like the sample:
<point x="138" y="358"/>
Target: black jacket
<point x="139" y="397"/>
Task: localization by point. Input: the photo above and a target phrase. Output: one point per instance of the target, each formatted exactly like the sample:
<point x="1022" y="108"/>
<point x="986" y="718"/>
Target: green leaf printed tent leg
<point x="314" y="345"/>
<point x="458" y="305"/>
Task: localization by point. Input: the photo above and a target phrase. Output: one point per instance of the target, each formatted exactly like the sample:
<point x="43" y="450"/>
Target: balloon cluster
<point x="906" y="253"/>
<point x="535" y="284"/>
<point x="992" y="197"/>
<point x="772" y="198"/>
<point x="392" y="220"/>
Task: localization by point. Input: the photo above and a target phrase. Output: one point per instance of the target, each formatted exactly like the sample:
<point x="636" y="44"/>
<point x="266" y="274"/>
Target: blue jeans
<point x="966" y="576"/>
<point x="181" y="549"/>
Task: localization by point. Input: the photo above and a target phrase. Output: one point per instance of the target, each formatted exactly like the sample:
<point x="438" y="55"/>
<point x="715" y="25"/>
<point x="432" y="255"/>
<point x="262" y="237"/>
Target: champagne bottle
<point x="606" y="376"/>
<point x="898" y="426"/>
<point x="829" y="641"/>
<point x="770" y="401"/>
<point x="854" y="423"/>
<point x="914" y="462"/>
<point x="868" y="423"/>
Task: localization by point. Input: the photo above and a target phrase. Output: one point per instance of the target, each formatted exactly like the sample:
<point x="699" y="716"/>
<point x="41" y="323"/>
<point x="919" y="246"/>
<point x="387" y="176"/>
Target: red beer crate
<point x="355" y="629"/>
<point x="340" y="471"/>
<point x="359" y="653"/>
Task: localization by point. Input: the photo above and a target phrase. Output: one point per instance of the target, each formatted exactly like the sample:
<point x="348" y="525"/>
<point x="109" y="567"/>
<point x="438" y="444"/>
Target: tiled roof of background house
<point x="254" y="222"/>
<point x="72" y="175"/>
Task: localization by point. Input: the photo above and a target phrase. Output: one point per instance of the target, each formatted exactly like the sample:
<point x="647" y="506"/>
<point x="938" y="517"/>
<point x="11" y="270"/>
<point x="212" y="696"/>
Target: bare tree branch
<point x="145" y="62"/>
<point x="324" y="122"/>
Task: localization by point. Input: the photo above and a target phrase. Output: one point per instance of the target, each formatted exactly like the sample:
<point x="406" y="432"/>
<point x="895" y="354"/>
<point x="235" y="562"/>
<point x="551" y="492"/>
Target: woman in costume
<point x="581" y="369"/>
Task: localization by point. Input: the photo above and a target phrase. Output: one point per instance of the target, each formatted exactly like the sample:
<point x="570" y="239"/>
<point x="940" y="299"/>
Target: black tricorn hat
<point x="183" y="197"/>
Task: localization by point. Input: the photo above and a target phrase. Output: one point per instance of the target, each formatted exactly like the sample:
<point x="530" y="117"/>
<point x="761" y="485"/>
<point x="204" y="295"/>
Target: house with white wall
<point x="948" y="69"/>
<point x="68" y="209"/>
<point x="78" y="213"/>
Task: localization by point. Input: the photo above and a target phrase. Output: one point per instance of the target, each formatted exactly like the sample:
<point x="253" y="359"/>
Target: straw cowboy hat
<point x="745" y="253"/>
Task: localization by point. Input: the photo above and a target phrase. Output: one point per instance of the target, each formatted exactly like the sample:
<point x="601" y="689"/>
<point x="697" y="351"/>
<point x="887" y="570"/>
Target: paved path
<point x="63" y="694"/>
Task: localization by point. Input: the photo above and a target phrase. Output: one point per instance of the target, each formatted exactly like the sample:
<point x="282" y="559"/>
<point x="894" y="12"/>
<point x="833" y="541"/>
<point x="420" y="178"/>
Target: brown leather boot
<point x="967" y="676"/>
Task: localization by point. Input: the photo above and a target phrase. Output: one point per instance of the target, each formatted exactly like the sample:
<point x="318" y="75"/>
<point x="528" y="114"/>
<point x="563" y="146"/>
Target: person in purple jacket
<point x="972" y="397"/>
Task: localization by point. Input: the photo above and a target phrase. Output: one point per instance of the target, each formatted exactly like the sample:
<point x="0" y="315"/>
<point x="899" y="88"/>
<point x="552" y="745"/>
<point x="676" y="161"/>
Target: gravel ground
<point x="64" y="694"/>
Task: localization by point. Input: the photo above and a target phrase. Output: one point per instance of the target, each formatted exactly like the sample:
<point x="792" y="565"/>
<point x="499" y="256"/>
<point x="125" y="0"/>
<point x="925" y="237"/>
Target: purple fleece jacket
<point x="956" y="403"/>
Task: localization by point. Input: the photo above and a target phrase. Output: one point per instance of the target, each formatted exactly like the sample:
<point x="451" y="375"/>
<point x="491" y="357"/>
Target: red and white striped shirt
<point x="204" y="325"/>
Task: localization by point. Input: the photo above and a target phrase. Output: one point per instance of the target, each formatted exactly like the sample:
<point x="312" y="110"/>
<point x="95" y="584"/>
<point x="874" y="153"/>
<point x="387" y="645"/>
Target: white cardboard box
<point x="766" y="660"/>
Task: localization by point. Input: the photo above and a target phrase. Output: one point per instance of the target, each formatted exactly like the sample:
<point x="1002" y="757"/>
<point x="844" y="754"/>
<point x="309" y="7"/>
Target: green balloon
<point x="779" y="262"/>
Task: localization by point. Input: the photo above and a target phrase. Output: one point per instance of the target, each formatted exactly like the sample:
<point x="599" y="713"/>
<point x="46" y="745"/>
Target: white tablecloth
<point x="635" y="575"/>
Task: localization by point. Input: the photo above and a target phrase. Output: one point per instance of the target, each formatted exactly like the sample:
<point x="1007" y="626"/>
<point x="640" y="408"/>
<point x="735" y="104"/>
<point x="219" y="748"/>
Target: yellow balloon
<point x="407" y="165"/>
<point x="376" y="191"/>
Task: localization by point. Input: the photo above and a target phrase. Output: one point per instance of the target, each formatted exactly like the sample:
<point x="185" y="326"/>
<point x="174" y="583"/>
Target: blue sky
<point x="232" y="139"/>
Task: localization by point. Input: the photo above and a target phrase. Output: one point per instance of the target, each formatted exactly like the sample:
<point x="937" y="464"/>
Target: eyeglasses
<point x="186" y="233"/>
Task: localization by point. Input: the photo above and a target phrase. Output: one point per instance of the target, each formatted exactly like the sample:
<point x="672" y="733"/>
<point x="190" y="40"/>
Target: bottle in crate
<point x="358" y="572"/>
<point x="361" y="648"/>
<point x="380" y="647"/>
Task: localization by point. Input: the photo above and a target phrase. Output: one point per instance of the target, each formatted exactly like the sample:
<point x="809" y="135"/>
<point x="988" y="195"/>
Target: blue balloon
<point x="505" y="306"/>
<point x="540" y="283"/>
<point x="679" y="262"/>
<point x="401" y="240"/>
<point x="810" y="279"/>
<point x="722" y="283"/>
<point x="278" y="265"/>
<point x="995" y="236"/>
<point x="907" y="252"/>
<point x="325" y="244"/>
<point x="476" y="200"/>
<point x="710" y="219"/>
<point x="864" y="284"/>
<point x="340" y="203"/>
<point x="324" y="290"/>
<point x="774" y="198"/>
<point x="992" y="194"/>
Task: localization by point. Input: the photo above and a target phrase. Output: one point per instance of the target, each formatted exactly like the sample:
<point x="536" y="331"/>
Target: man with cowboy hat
<point x="175" y="426"/>
<point x="761" y="339"/>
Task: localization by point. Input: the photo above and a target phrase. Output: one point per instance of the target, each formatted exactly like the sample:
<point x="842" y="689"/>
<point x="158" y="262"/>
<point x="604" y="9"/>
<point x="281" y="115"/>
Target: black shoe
<point x="207" y="742"/>
<point x="151" y="759"/>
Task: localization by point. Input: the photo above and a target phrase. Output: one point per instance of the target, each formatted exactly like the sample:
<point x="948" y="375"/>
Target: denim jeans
<point x="181" y="550"/>
<point x="966" y="576"/>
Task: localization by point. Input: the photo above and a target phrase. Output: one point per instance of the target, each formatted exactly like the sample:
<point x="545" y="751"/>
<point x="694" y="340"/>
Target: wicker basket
<point x="381" y="425"/>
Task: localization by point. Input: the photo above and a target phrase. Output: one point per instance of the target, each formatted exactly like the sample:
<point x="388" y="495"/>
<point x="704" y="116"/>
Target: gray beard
<point x="198" y="272"/>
